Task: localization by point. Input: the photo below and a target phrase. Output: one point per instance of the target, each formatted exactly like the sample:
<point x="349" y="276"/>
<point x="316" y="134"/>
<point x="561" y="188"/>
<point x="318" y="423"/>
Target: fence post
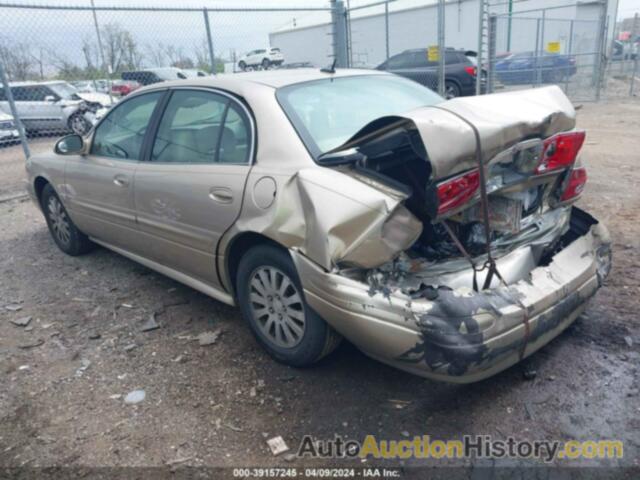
<point x="491" y="53"/>
<point x="441" y="48"/>
<point x="386" y="27"/>
<point x="600" y="65"/>
<point x="481" y="27"/>
<point x="14" y="112"/>
<point x="339" y="31"/>
<point x="537" y="54"/>
<point x="207" y="28"/>
<point x="102" y="57"/>
<point x="569" y="49"/>
<point x="540" y="59"/>
<point x="634" y="33"/>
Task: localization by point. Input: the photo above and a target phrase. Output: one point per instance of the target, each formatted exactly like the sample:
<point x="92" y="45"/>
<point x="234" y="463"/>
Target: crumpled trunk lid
<point x="502" y="120"/>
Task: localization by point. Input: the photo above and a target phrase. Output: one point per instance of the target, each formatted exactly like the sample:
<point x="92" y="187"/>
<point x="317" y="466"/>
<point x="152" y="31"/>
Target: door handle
<point x="221" y="194"/>
<point x="121" y="181"/>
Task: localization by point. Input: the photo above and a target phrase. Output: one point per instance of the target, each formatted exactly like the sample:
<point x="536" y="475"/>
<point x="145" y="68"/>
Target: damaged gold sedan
<point x="438" y="237"/>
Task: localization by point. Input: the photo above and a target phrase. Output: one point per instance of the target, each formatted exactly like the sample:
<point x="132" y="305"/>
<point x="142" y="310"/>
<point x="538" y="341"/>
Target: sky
<point x="627" y="8"/>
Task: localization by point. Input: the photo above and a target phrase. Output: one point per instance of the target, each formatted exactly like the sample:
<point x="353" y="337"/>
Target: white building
<point x="413" y="24"/>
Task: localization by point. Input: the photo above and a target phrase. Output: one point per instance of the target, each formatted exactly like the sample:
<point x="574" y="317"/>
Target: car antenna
<point x="331" y="68"/>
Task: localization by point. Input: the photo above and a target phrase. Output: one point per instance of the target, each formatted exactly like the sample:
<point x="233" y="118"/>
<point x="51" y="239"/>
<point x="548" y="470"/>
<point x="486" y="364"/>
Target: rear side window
<point x="201" y="127"/>
<point x="121" y="133"/>
<point x="451" y="58"/>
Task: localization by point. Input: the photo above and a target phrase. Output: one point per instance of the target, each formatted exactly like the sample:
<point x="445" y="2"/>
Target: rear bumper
<point x="460" y="335"/>
<point x="9" y="135"/>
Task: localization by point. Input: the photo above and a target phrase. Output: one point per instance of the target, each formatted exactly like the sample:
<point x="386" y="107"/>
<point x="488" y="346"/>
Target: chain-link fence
<point x="535" y="51"/>
<point x="67" y="65"/>
<point x="622" y="71"/>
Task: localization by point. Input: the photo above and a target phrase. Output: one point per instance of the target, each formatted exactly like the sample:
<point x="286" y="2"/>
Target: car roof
<point x="269" y="78"/>
<point x="31" y="83"/>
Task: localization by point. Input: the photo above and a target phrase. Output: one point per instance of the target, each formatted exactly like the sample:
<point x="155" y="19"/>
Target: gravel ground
<point x="66" y="374"/>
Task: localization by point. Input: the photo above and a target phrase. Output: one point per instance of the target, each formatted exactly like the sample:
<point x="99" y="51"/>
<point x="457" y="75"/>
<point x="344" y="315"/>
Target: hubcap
<point x="450" y="92"/>
<point x="59" y="221"/>
<point x="277" y="306"/>
<point x="78" y="125"/>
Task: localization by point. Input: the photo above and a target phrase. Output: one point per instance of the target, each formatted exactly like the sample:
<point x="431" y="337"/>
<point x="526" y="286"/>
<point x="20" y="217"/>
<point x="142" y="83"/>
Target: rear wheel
<point x="64" y="232"/>
<point x="265" y="63"/>
<point x="272" y="302"/>
<point x="451" y="90"/>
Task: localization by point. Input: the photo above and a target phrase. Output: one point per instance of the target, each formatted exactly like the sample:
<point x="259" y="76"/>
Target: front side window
<point x="201" y="127"/>
<point x="327" y="113"/>
<point x="121" y="133"/>
<point x="65" y="91"/>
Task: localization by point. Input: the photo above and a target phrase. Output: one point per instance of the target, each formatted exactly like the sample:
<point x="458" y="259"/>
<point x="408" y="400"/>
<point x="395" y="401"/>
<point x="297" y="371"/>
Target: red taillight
<point x="575" y="185"/>
<point x="457" y="191"/>
<point x="560" y="151"/>
<point x="473" y="71"/>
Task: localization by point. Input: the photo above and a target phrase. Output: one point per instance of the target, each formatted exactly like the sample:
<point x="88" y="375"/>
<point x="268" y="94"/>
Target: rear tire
<point x="451" y="90"/>
<point x="64" y="232"/>
<point x="272" y="302"/>
<point x="265" y="64"/>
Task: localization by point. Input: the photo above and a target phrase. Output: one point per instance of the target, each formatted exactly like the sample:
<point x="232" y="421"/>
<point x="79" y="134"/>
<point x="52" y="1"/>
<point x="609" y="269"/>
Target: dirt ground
<point x="65" y="375"/>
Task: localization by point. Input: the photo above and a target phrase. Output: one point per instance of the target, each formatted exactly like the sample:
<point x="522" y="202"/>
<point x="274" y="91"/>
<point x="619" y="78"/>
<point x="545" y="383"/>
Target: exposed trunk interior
<point x="523" y="207"/>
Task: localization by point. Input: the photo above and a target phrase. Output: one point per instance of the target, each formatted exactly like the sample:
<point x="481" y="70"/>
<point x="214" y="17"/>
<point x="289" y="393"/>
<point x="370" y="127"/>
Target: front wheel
<point x="64" y="232"/>
<point x="272" y="302"/>
<point x="242" y="65"/>
<point x="79" y="125"/>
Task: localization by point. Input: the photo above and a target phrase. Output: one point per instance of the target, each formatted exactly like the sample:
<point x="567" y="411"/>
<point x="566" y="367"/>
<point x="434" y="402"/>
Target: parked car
<point x="524" y="67"/>
<point x="150" y="76"/>
<point x="356" y="215"/>
<point x="54" y="107"/>
<point x="124" y="87"/>
<point x="84" y="86"/>
<point x="460" y="70"/>
<point x="625" y="50"/>
<point x="8" y="129"/>
<point x="263" y="58"/>
<point x="293" y="65"/>
<point x="194" y="73"/>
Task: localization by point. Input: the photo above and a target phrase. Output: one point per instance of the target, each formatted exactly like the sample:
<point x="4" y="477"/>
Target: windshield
<point x="65" y="91"/>
<point x="328" y="112"/>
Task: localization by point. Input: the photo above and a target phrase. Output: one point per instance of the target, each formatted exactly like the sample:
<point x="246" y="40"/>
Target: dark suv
<point x="460" y="70"/>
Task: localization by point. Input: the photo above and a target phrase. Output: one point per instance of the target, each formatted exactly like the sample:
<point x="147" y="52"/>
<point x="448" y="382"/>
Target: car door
<point x="37" y="107"/>
<point x="189" y="191"/>
<point x="99" y="185"/>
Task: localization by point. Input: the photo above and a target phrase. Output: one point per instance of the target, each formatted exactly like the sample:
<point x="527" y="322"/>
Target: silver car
<point x="438" y="237"/>
<point x="54" y="107"/>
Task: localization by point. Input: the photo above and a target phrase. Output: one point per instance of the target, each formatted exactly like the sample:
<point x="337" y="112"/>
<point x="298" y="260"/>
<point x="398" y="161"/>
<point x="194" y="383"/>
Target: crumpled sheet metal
<point x="459" y="335"/>
<point x="331" y="217"/>
<point x="502" y="120"/>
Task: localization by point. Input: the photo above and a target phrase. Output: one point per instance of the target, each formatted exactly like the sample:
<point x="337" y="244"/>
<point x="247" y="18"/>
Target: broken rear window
<point x="328" y="112"/>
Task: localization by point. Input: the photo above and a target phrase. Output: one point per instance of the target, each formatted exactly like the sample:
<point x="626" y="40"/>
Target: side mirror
<point x="69" y="145"/>
<point x="50" y="98"/>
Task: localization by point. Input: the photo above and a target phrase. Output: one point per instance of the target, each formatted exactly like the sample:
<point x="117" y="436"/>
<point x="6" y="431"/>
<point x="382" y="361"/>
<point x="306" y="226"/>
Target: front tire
<point x="242" y="65"/>
<point x="64" y="232"/>
<point x="79" y="125"/>
<point x="273" y="304"/>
